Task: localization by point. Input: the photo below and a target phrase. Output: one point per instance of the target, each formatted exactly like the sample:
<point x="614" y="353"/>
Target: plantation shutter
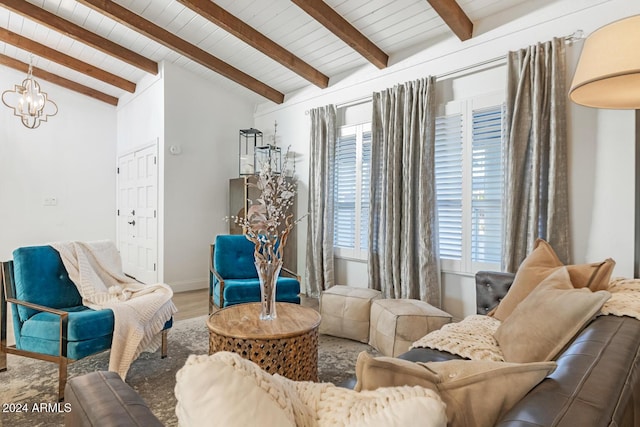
<point x="486" y="185"/>
<point x="345" y="192"/>
<point x="448" y="165"/>
<point x="364" y="191"/>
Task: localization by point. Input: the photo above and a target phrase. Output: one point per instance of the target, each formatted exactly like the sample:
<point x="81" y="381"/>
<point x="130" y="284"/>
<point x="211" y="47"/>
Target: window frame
<point x="356" y="253"/>
<point x="466" y="106"/>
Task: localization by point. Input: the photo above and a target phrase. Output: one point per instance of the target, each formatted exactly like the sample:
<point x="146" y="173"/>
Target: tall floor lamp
<point x="608" y="76"/>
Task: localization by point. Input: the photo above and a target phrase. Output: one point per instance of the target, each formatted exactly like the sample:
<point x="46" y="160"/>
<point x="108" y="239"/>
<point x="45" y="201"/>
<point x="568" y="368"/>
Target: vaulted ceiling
<point x="261" y="49"/>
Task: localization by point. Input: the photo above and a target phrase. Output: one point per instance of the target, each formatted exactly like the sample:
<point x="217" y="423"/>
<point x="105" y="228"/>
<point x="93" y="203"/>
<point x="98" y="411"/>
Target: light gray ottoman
<point x="345" y="312"/>
<point x="396" y="323"/>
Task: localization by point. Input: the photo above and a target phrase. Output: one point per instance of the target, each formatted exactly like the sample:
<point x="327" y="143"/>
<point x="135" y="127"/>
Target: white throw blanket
<point x="140" y="311"/>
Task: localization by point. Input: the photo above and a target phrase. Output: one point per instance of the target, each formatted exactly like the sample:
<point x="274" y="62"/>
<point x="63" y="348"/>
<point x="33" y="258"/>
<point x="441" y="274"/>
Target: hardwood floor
<point x="191" y="304"/>
<point x="194" y="303"/>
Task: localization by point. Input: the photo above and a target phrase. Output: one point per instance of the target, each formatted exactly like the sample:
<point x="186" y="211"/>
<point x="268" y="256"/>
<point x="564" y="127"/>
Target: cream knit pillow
<point x="225" y="389"/>
<point x="221" y="390"/>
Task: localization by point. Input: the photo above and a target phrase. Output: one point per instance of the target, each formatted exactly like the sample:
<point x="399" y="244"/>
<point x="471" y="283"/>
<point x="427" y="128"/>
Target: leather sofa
<point x="103" y="399"/>
<point x="596" y="382"/>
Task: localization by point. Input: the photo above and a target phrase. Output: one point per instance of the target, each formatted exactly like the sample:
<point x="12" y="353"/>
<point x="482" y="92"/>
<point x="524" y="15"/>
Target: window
<point x="448" y="159"/>
<point x="486" y="185"/>
<point x="469" y="183"/>
<point x="351" y="191"/>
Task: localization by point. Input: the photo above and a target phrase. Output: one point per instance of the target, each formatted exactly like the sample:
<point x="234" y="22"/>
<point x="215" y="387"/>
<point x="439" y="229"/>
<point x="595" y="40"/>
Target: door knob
<point x="132" y="222"/>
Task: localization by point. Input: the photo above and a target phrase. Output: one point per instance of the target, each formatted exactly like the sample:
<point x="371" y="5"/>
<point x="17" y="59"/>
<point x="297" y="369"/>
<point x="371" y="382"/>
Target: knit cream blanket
<point x="472" y="338"/>
<point x="140" y="311"/>
<point x="625" y="298"/>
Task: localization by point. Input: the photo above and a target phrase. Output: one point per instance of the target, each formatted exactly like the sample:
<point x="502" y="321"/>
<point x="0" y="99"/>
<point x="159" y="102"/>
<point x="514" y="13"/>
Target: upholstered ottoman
<point x="396" y="323"/>
<point x="345" y="312"/>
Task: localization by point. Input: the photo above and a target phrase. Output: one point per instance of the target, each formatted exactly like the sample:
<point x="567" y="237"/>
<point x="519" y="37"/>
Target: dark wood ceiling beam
<point x="60" y="81"/>
<point x="181" y="46"/>
<point x="79" y="34"/>
<point x="339" y="26"/>
<point x="454" y="17"/>
<point x="66" y="60"/>
<point x="247" y="34"/>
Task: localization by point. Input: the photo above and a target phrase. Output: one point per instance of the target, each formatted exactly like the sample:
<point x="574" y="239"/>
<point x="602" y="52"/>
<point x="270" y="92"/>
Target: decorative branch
<point x="268" y="221"/>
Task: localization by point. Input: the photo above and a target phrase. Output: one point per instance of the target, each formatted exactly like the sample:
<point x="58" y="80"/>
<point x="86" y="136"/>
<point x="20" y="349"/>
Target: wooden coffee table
<point x="287" y="345"/>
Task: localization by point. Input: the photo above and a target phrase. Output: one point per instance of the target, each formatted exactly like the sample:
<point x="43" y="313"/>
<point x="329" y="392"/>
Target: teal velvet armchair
<point x="49" y="321"/>
<point x="233" y="278"/>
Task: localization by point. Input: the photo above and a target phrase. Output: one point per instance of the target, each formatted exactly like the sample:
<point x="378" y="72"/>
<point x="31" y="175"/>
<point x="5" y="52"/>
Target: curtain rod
<point x="472" y="66"/>
<point x="349" y="103"/>
<point x="577" y="35"/>
<point x="570" y="39"/>
<point x="354" y="102"/>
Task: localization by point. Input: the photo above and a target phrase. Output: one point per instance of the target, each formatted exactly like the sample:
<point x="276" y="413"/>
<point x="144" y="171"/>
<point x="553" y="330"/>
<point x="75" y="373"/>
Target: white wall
<point x="70" y="158"/>
<point x="141" y="123"/>
<point x="610" y="233"/>
<point x="141" y="114"/>
<point x="178" y="108"/>
<point x="597" y="230"/>
<point x="203" y="120"/>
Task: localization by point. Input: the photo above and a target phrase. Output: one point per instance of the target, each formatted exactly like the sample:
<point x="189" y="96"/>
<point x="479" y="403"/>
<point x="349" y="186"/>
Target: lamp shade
<point x="608" y="72"/>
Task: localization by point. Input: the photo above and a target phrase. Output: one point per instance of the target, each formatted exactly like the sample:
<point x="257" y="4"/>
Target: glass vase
<point x="268" y="273"/>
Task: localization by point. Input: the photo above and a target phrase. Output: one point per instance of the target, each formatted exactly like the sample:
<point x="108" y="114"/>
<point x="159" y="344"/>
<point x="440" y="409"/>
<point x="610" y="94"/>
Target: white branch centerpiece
<point x="267" y="223"/>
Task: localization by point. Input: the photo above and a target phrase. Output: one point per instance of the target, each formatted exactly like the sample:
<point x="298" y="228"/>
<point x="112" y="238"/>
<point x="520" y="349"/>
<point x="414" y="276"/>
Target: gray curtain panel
<point x="403" y="249"/>
<point x="536" y="190"/>
<point x="319" y="271"/>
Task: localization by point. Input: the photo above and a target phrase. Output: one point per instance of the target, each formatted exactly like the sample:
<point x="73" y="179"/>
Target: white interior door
<point x="138" y="213"/>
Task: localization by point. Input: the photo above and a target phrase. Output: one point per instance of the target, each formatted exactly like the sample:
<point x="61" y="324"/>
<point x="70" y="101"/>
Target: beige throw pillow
<point x="477" y="393"/>
<point x="545" y="321"/>
<point x="541" y="263"/>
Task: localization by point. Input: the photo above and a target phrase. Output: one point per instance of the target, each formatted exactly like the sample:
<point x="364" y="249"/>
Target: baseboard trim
<point x="189" y="285"/>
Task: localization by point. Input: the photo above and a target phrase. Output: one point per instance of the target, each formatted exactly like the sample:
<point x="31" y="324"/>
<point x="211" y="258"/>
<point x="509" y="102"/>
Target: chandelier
<point x="29" y="102"/>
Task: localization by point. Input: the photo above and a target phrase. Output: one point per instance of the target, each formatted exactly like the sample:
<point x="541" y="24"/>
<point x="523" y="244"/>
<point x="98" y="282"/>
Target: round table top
<point x="243" y="321"/>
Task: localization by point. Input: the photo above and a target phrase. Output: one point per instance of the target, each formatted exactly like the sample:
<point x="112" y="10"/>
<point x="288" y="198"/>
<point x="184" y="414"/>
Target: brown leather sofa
<point x="596" y="383"/>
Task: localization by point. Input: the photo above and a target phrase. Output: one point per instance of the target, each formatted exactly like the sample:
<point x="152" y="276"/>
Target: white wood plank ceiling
<point x="392" y="25"/>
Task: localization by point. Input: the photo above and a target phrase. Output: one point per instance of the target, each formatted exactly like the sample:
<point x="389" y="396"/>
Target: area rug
<point x="28" y="388"/>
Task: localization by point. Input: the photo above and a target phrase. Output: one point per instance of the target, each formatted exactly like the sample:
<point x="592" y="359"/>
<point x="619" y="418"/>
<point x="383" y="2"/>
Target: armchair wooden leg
<point x="165" y="345"/>
<point x="62" y="377"/>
